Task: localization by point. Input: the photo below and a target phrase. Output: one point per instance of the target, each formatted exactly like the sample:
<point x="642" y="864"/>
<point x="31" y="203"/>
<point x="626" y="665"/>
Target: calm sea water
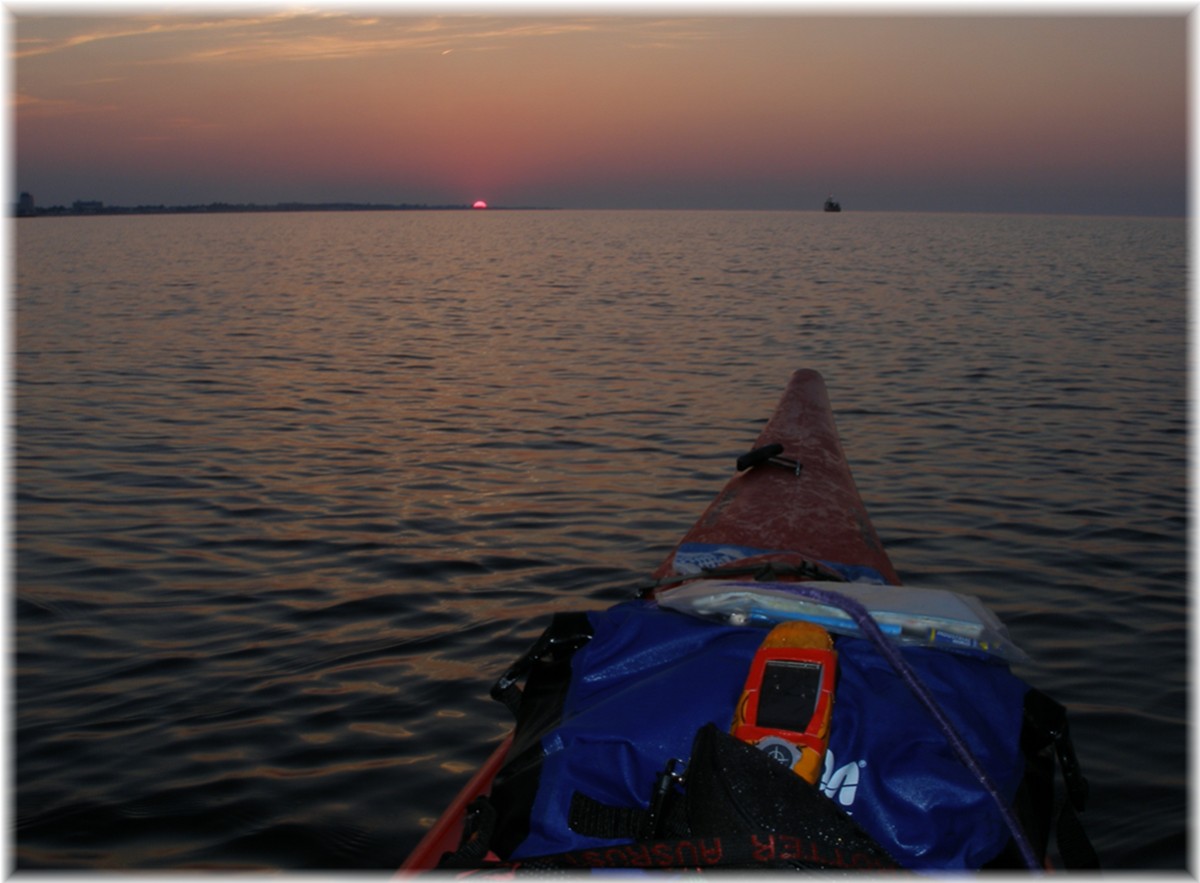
<point x="291" y="490"/>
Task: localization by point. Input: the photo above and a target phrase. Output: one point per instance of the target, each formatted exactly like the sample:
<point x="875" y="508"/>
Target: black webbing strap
<point x="478" y="825"/>
<point x="1048" y="725"/>
<point x="566" y="633"/>
<point x="592" y="818"/>
<point x="595" y="819"/>
<point x="1074" y="845"/>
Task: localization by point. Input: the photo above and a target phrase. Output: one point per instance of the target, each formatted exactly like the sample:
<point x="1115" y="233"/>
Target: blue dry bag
<point x="620" y="692"/>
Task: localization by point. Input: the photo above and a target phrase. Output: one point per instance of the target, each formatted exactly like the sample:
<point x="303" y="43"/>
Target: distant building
<point x="25" y="206"/>
<point x="87" y="207"/>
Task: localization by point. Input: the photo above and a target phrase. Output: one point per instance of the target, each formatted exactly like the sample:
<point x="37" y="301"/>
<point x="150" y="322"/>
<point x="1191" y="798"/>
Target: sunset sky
<point x="1076" y="114"/>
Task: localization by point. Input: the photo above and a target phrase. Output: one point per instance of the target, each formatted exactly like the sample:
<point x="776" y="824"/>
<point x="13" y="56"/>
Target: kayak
<point x="787" y="523"/>
<point x="813" y="513"/>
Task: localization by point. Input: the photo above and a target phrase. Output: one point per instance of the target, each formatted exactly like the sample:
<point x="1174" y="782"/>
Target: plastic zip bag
<point x="909" y="615"/>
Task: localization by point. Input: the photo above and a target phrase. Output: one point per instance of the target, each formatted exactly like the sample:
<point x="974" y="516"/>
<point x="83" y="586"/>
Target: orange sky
<point x="1079" y="114"/>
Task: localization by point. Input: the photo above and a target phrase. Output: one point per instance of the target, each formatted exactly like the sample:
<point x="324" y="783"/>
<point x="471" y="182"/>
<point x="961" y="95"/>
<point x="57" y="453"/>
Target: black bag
<point x="739" y="810"/>
<point x="733" y="788"/>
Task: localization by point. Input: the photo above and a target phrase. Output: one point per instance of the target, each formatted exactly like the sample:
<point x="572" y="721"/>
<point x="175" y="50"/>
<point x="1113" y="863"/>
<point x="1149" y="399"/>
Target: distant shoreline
<point x="86" y="209"/>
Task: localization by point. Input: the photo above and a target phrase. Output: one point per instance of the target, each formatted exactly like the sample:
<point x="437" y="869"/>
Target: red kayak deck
<point x="816" y="514"/>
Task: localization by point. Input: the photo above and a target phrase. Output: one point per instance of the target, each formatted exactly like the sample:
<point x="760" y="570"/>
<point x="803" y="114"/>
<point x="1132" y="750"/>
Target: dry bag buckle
<point x="564" y="633"/>
<point x="664" y="790"/>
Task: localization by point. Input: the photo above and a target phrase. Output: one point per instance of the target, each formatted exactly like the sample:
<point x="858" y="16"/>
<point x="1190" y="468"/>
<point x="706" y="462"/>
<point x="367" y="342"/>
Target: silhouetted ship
<point x="832" y="205"/>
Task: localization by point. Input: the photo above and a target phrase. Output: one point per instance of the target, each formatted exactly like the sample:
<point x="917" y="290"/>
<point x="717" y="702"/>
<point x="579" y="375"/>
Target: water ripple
<point x="291" y="490"/>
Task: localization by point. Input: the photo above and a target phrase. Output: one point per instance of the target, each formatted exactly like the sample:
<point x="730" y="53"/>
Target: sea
<point x="290" y="491"/>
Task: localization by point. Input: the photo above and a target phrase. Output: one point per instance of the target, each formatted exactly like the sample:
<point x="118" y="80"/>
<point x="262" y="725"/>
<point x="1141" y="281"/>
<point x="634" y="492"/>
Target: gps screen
<point x="788" y="697"/>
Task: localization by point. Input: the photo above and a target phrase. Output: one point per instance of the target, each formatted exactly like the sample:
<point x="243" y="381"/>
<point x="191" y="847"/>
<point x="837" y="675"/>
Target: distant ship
<point x="832" y="205"/>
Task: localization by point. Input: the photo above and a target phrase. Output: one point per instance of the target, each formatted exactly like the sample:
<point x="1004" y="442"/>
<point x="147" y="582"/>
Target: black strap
<point x="1047" y="725"/>
<point x="1050" y="723"/>
<point x="566" y="633"/>
<point x="478" y="825"/>
<point x="1074" y="846"/>
<point x="592" y="818"/>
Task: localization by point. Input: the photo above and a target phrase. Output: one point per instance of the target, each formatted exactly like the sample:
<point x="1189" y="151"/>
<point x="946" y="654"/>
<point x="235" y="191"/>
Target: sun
<point x="479" y="203"/>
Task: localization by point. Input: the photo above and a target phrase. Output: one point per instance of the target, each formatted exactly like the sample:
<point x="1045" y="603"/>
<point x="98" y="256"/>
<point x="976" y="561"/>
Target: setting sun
<point x="479" y="203"/>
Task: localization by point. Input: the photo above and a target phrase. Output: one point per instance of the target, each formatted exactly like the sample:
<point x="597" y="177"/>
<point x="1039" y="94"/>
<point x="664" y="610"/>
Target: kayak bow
<point x="799" y="505"/>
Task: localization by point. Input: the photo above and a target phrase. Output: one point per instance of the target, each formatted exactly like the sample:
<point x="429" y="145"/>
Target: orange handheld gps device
<point x="787" y="702"/>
